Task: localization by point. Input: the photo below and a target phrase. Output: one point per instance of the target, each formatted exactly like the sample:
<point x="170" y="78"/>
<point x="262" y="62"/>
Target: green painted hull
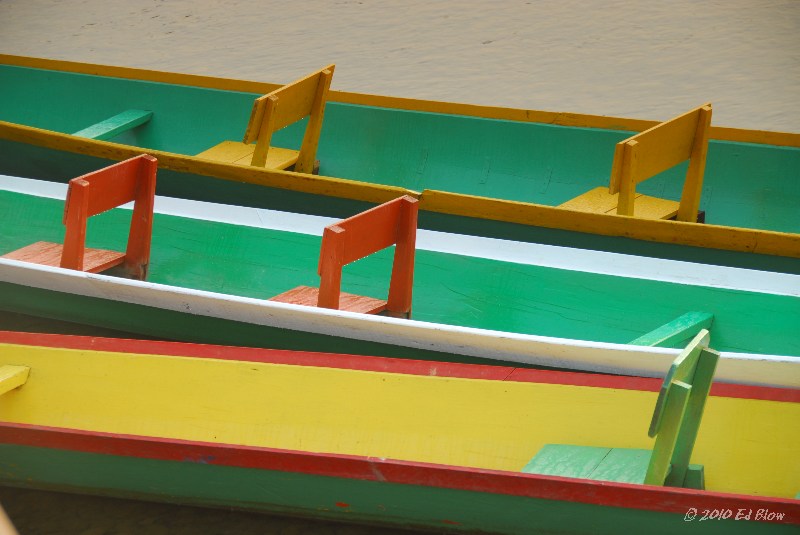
<point x="747" y="185"/>
<point x="171" y="325"/>
<point x="344" y="499"/>
<point x="486" y="294"/>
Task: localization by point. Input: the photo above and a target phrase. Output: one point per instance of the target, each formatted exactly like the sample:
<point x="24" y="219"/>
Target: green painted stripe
<point x="676" y="331"/>
<point x="113" y="126"/>
<point x="316" y="496"/>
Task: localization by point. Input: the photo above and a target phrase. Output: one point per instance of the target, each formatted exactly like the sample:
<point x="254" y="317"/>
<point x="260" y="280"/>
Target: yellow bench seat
<point x="242" y="154"/>
<point x="600" y="201"/>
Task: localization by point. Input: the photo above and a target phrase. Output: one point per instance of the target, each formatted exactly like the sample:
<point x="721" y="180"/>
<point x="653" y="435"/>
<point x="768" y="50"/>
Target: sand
<point x="649" y="59"/>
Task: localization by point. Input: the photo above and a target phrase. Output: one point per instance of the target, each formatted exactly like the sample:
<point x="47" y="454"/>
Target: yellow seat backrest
<point x="660" y="148"/>
<point x="288" y="104"/>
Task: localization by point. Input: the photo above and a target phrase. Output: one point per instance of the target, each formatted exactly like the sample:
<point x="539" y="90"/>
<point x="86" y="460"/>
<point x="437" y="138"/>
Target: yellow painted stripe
<point x="710" y="236"/>
<point x="489" y="112"/>
<point x="747" y="446"/>
<point x="314" y="184"/>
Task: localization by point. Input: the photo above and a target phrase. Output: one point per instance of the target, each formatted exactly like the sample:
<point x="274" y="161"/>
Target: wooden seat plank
<point x="600" y="201"/>
<point x="623" y="465"/>
<point x="308" y="296"/>
<point x="240" y="153"/>
<point x="566" y="460"/>
<point x="49" y="254"/>
<point x="113" y="126"/>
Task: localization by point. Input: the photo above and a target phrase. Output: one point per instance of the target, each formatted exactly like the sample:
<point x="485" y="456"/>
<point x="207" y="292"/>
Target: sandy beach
<point x="647" y="59"/>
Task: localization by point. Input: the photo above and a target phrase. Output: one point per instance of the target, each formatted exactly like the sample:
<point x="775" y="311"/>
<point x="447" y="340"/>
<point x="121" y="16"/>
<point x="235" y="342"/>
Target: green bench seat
<point x="675" y="423"/>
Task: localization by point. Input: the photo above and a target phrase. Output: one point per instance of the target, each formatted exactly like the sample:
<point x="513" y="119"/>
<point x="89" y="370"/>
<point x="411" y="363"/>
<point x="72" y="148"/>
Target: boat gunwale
<point x="708" y="236"/>
<point x="532" y="349"/>
<point x="609" y="494"/>
<point x="766" y="137"/>
<point x="393" y="365"/>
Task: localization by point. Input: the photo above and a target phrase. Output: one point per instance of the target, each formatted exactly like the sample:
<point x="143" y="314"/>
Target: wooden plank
<point x="597" y="200"/>
<point x="566" y="460"/>
<point x="228" y="151"/>
<point x="49" y="254"/>
<point x="296" y="100"/>
<point x="115" y="125"/>
<point x="41" y="252"/>
<point x="701" y="386"/>
<point x="693" y="186"/>
<point x="665" y="145"/>
<point x="671" y="420"/>
<point x="242" y="153"/>
<point x="600" y="201"/>
<point x="12" y="377"/>
<point x="308" y="149"/>
<point x="308" y="296"/>
<point x="676" y="331"/>
<point x="647" y="207"/>
<point x="623" y="465"/>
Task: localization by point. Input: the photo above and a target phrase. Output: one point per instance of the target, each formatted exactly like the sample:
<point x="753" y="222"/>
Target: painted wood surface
<point x="89" y="195"/>
<point x="677" y="330"/>
<point x="114" y="126"/>
<point x="12" y="377"/>
<point x="492" y="330"/>
<point x="422" y="165"/>
<point x="475" y="423"/>
<point x="646" y="155"/>
<point x="371" y="490"/>
<point x="675" y="424"/>
<point x="365" y="488"/>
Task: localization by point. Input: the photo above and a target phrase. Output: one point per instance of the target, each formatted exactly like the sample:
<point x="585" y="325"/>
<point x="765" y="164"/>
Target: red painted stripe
<point x="670" y="500"/>
<point x="380" y="364"/>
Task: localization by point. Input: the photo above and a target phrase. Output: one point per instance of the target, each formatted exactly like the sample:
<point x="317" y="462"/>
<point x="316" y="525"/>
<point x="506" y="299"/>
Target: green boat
<point x="492" y="172"/>
<point x="218" y="275"/>
<point x="443" y="447"/>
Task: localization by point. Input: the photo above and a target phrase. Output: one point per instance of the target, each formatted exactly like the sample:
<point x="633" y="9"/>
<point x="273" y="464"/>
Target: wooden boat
<point x="445" y="447"/>
<point x="235" y="277"/>
<point x="484" y="171"/>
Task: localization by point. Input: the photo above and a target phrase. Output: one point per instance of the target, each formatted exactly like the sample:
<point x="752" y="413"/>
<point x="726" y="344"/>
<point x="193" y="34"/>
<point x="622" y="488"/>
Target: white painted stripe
<point x="495" y="249"/>
<point x="769" y="370"/>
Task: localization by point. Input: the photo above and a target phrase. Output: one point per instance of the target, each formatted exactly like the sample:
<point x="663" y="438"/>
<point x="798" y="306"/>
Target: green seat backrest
<point x="679" y="409"/>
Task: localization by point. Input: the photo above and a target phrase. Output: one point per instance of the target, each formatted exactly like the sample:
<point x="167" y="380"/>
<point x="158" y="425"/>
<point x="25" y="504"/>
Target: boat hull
<point x="180" y="314"/>
<point x="368" y="491"/>
<point x="204" y="446"/>
<point x="488" y="178"/>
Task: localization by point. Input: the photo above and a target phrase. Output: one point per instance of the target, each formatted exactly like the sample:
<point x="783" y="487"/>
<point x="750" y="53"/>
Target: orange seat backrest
<point x="100" y="191"/>
<point x="394" y="222"/>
